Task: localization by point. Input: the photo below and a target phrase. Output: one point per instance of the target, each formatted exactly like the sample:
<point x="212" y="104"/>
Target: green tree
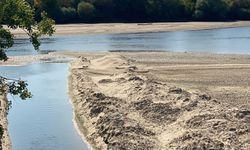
<point x="211" y="10"/>
<point x="121" y="8"/>
<point x="23" y="18"/>
<point x="104" y="10"/>
<point x="137" y="10"/>
<point x="165" y="10"/>
<point x="189" y="6"/>
<point x="239" y="9"/>
<point x="86" y="11"/>
<point x="52" y="7"/>
<point x="66" y="3"/>
<point x="69" y="14"/>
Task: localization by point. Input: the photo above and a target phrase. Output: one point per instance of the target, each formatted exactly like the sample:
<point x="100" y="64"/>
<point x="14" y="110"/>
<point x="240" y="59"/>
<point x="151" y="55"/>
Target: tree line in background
<point x="78" y="11"/>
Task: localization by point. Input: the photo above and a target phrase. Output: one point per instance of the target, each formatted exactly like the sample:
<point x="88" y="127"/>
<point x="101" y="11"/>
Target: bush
<point x="244" y="13"/>
<point x="68" y="14"/>
<point x="86" y="11"/>
<point x="211" y="9"/>
<point x="51" y="7"/>
<point x="165" y="10"/>
<point x="241" y="9"/>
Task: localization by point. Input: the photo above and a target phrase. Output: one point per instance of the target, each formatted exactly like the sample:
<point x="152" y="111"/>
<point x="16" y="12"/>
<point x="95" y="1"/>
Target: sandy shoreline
<point x="71" y="29"/>
<point x="78" y="129"/>
<point x="41" y="58"/>
<point x="153" y="93"/>
<point x="124" y="96"/>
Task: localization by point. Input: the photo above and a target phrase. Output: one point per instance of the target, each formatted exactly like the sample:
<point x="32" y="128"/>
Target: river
<point x="45" y="121"/>
<point x="229" y="40"/>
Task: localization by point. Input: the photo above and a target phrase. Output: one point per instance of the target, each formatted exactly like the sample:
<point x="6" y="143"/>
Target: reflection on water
<point x="230" y="40"/>
<point x="45" y="121"/>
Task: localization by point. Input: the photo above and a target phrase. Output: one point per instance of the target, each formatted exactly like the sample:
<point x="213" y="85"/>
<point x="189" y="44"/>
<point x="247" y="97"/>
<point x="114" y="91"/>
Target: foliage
<point x="14" y="87"/>
<point x="51" y="7"/>
<point x="134" y="10"/>
<point x="143" y="10"/>
<point x="66" y="3"/>
<point x="104" y="10"/>
<point x="68" y="14"/>
<point x="22" y="17"/>
<point x="86" y="10"/>
<point x="243" y="8"/>
<point x="189" y="8"/>
<point x="211" y="9"/>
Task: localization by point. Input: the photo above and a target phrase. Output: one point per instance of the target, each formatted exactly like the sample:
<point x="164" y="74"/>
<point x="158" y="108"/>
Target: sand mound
<point x="118" y="107"/>
<point x="109" y="61"/>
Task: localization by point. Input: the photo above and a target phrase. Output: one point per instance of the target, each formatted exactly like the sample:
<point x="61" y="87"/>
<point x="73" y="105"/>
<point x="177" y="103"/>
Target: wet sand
<point x="69" y="29"/>
<point x="42" y="58"/>
<point x="162" y="100"/>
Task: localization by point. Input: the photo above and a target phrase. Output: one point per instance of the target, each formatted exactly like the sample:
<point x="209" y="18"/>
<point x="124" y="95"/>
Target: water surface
<point x="229" y="40"/>
<point x="45" y="121"/>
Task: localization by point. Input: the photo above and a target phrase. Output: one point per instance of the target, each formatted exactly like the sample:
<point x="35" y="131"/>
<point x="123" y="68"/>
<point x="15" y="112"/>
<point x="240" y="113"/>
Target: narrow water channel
<point x="45" y="121"/>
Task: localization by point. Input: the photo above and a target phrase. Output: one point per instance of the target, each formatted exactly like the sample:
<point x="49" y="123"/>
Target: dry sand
<point x="69" y="29"/>
<point x="162" y="100"/>
<point x="159" y="100"/>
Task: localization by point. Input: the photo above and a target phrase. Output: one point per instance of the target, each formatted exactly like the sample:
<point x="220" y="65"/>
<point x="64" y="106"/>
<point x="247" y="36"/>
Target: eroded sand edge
<point x="117" y="106"/>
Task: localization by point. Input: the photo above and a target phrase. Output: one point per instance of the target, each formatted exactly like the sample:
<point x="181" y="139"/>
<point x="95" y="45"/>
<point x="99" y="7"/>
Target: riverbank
<point x="162" y="100"/>
<point x="5" y="143"/>
<point x="41" y="58"/>
<point x="69" y="29"/>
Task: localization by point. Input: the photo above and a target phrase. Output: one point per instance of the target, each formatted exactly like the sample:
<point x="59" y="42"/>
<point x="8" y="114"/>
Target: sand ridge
<point x="118" y="107"/>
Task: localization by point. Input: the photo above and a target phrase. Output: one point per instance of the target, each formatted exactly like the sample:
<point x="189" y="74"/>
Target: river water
<point x="230" y="40"/>
<point x="45" y="121"/>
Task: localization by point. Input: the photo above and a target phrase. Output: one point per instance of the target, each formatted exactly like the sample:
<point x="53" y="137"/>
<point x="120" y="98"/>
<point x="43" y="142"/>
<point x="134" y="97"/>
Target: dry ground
<point x="162" y="100"/>
<point x="69" y="29"/>
<point x="224" y="77"/>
